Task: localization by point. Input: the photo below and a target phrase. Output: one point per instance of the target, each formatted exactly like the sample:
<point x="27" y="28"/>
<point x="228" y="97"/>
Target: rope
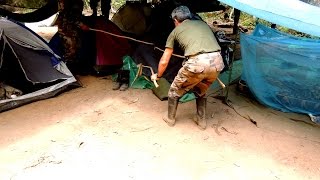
<point x="133" y="39"/>
<point x="148" y="43"/>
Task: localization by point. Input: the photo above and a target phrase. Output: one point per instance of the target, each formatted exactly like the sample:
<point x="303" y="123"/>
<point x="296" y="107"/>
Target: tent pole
<point x="237" y="13"/>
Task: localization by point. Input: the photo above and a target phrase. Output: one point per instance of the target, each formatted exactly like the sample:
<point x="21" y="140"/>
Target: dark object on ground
<point x="162" y="91"/>
<point x="122" y="81"/>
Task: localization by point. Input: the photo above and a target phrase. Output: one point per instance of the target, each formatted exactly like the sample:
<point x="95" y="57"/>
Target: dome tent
<point x="28" y="64"/>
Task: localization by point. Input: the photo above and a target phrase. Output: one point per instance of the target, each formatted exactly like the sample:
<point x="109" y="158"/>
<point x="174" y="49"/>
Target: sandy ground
<point x="96" y="133"/>
<point x="93" y="132"/>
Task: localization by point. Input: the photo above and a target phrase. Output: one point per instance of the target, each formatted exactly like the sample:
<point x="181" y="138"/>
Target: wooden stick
<point x="221" y="83"/>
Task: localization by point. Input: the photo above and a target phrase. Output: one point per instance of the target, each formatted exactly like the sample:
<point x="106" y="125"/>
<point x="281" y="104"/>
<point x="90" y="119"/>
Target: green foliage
<point x="248" y="21"/>
<point x="286" y="30"/>
<point x="86" y="3"/>
<point x="116" y="4"/>
<point x="35" y="4"/>
<point x="31" y="4"/>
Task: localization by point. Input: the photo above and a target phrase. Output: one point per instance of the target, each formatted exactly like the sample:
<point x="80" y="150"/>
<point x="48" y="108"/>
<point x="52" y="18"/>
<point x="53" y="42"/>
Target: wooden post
<point x="236" y="38"/>
<point x="236" y="21"/>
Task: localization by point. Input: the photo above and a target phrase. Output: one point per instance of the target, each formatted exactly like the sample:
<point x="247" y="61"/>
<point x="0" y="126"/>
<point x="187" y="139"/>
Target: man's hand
<point x="84" y="27"/>
<point x="154" y="77"/>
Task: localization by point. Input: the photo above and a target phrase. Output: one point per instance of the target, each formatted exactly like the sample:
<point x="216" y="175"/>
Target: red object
<point x="110" y="49"/>
<point x="84" y="27"/>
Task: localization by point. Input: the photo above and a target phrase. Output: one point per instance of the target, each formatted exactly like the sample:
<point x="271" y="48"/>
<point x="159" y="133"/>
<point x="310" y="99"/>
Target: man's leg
<point x="201" y="101"/>
<point x="175" y="92"/>
<point x="125" y="79"/>
<point x="105" y="8"/>
<point x="94" y="7"/>
<point x="182" y="83"/>
<point x="117" y="83"/>
<point x="200" y="118"/>
<point x="170" y="117"/>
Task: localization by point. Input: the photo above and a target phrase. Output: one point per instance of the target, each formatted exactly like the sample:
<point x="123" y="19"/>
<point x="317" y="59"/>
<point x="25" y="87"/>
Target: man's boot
<point x="200" y="118"/>
<point x="170" y="117"/>
<point x="125" y="78"/>
<point x="116" y="86"/>
<point x="117" y="83"/>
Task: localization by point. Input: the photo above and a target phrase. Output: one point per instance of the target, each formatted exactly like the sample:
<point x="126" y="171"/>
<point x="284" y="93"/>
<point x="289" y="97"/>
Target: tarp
<point x="282" y="71"/>
<point x="293" y="14"/>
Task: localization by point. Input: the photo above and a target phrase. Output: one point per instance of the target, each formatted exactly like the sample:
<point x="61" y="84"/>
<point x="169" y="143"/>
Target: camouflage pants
<point x="197" y="74"/>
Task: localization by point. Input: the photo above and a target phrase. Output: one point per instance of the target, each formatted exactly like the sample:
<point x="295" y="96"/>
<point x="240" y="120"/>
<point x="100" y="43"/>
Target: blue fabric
<point x="56" y="45"/>
<point x="293" y="14"/>
<point x="282" y="71"/>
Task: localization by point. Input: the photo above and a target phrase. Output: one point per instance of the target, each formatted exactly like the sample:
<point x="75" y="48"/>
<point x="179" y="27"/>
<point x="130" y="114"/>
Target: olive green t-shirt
<point x="194" y="37"/>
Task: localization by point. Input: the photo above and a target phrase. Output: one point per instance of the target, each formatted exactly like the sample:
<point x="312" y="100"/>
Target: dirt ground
<point x="93" y="132"/>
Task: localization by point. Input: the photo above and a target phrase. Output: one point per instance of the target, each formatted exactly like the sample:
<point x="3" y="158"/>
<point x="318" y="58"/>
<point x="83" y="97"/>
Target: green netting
<point x="282" y="71"/>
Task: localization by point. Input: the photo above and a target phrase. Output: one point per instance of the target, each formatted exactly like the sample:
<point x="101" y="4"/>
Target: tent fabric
<point x="112" y="52"/>
<point x="282" y="71"/>
<point x="36" y="68"/>
<point x="293" y="14"/>
<point x="28" y="64"/>
<point x="131" y="18"/>
<point x="23" y="36"/>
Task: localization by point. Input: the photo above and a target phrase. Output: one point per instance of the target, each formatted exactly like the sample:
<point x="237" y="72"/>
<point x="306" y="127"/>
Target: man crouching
<point x="199" y="71"/>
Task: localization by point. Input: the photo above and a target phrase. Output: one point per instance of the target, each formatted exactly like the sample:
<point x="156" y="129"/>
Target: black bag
<point x="226" y="50"/>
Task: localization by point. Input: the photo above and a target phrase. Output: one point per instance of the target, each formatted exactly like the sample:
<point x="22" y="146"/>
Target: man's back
<point x="194" y="36"/>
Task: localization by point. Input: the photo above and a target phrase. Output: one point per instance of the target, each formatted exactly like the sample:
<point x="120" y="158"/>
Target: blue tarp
<point x="282" y="71"/>
<point x="293" y="14"/>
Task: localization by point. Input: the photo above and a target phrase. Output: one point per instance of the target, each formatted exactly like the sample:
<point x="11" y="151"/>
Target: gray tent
<point x="28" y="67"/>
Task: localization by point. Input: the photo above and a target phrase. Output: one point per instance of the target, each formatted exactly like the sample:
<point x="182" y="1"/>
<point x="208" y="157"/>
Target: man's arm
<point x="164" y="61"/>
